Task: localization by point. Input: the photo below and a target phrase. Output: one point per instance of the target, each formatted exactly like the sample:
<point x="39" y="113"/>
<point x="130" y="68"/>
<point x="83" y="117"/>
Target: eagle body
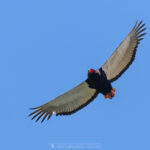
<point x="98" y="80"/>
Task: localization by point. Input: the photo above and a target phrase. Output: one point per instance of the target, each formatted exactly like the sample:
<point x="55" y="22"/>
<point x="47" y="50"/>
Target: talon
<point x="112" y="93"/>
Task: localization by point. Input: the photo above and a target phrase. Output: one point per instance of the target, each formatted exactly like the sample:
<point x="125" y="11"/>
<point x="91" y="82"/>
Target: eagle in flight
<point x="98" y="81"/>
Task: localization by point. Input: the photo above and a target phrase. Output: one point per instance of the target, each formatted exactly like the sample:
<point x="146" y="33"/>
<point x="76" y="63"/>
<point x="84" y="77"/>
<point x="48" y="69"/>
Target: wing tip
<point x="137" y="32"/>
<point x="39" y="113"/>
<point x="139" y="25"/>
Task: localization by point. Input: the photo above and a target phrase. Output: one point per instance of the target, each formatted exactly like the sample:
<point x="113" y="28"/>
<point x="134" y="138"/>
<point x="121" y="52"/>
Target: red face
<point x="90" y="70"/>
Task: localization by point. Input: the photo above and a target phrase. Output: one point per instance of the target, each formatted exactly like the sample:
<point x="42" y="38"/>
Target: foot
<point x="111" y="94"/>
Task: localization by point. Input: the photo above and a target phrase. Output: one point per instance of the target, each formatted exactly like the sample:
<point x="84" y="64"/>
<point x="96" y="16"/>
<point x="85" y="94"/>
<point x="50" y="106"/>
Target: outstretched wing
<point x="67" y="103"/>
<point x="124" y="55"/>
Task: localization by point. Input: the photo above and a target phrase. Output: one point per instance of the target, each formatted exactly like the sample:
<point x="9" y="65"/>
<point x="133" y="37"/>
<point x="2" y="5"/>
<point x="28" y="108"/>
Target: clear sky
<point x="46" y="48"/>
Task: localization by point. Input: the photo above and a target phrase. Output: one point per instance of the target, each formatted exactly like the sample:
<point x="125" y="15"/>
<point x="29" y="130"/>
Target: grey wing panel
<point x="67" y="103"/>
<point x="124" y="55"/>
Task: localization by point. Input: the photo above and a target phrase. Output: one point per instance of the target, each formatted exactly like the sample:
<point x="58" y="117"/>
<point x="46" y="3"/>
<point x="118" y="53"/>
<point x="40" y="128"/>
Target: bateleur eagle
<point x="98" y="81"/>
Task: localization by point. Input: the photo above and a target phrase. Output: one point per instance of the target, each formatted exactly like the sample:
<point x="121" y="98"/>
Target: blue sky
<point x="46" y="49"/>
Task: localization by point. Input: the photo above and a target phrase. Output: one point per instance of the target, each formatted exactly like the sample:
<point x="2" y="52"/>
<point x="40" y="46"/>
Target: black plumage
<point x="98" y="80"/>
